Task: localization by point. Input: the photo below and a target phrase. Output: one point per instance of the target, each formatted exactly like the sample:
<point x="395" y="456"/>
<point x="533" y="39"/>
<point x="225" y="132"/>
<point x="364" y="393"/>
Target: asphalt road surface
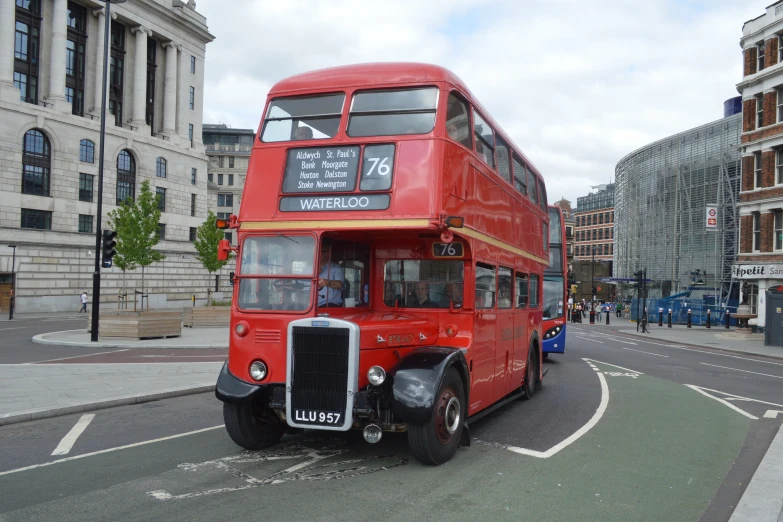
<point x="623" y="429"/>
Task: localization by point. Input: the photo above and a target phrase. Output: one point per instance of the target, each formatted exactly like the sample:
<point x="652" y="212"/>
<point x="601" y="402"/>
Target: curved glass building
<point x="676" y="211"/>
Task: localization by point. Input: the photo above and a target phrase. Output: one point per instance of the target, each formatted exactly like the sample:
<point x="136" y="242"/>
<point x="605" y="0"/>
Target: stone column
<point x="100" y="13"/>
<point x="170" y="90"/>
<point x="57" y="56"/>
<point x="140" y="77"/>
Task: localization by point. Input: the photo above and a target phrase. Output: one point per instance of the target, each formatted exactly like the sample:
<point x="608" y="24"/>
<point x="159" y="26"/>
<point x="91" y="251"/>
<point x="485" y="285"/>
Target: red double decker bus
<point x="390" y="254"/>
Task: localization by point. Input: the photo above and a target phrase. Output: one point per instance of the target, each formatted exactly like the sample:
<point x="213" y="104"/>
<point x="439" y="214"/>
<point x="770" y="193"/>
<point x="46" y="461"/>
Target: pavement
<point x="190" y="338"/>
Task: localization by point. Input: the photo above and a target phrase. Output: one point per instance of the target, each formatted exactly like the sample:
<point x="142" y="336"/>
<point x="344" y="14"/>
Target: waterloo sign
<point x="757" y="271"/>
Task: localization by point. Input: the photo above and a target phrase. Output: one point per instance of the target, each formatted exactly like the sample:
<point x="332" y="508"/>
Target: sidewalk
<point x="42" y="315"/>
<point x="190" y="338"/>
<point x="38" y="391"/>
<point x="714" y="337"/>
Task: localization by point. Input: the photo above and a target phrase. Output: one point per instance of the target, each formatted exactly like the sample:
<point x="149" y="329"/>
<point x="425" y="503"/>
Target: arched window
<point x="87" y="151"/>
<point x="160" y="168"/>
<point x="126" y="177"/>
<point x="36" y="163"/>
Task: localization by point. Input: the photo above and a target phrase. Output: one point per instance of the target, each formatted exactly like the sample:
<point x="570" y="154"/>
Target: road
<point x="623" y="429"/>
<point x="16" y="346"/>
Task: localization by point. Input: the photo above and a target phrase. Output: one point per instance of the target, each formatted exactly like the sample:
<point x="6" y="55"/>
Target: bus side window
<point x="485" y="140"/>
<point x="504" y="168"/>
<point x="534" y="291"/>
<point x="458" y="121"/>
<point x="504" y="287"/>
<point x="485" y="286"/>
<point x="521" y="280"/>
<point x="520" y="176"/>
<point x="532" y="187"/>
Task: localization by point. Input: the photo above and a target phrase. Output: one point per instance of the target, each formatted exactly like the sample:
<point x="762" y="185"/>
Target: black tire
<point x="251" y="426"/>
<point x="434" y="442"/>
<point x="546" y="355"/>
<point x="529" y="387"/>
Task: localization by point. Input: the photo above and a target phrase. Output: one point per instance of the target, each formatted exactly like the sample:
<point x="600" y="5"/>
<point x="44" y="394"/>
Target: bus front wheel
<point x="252" y="426"/>
<point x="436" y="441"/>
<point x="531" y="373"/>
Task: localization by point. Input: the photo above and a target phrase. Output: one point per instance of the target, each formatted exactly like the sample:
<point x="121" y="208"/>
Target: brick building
<point x="594" y="223"/>
<point x="761" y="195"/>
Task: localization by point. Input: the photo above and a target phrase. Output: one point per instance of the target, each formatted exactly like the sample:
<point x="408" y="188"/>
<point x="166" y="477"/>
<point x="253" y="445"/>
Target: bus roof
<point x="367" y="75"/>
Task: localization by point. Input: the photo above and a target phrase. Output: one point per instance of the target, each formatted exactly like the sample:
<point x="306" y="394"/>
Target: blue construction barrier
<point x="679" y="308"/>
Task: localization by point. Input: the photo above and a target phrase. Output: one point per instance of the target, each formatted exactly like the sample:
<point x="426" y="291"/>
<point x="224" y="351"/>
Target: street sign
<point x="711" y="218"/>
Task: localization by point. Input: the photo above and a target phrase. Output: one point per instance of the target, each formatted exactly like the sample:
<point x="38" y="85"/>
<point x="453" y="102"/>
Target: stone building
<point x="51" y="56"/>
<point x="761" y="195"/>
<point x="594" y="223"/>
<point x="229" y="152"/>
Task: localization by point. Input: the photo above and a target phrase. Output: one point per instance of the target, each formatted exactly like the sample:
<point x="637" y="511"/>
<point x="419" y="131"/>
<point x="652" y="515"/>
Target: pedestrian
<point x="84" y="302"/>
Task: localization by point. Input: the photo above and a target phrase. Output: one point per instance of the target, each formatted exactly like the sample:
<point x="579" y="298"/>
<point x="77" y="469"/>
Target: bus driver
<point x="330" y="278"/>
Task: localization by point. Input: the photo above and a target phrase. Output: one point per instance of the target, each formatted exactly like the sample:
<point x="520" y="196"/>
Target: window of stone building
<point x="116" y="71"/>
<point x="780" y="48"/>
<point x="162" y="230"/>
<point x="190" y="133"/>
<point x="27" y="48"/>
<point x="780" y="104"/>
<point x="760" y="53"/>
<point x="75" y="47"/>
<point x="192" y="204"/>
<point x="126" y="177"/>
<point x="193" y="172"/>
<point x="779" y="165"/>
<point x="778" y="230"/>
<point x="210" y="177"/>
<point x="221" y="162"/>
<point x="160" y="167"/>
<point x="193" y="234"/>
<point x="85" y="223"/>
<point x="38" y="219"/>
<point x="757" y="170"/>
<point x="85" y="187"/>
<point x="230" y="179"/>
<point x="152" y="66"/>
<point x="225" y="200"/>
<point x="756" y="231"/>
<point x="759" y="111"/>
<point x="36" y="163"/>
<point x="192" y="98"/>
<point x="192" y="64"/>
<point x="231" y="162"/>
<point x="220" y="179"/>
<point x="87" y="151"/>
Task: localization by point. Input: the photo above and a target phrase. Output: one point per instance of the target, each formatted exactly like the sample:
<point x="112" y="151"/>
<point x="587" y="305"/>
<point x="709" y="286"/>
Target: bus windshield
<point x="389" y="113"/>
<point x="423" y="284"/>
<point x="281" y="255"/>
<point x="553" y="297"/>
<point x="303" y="118"/>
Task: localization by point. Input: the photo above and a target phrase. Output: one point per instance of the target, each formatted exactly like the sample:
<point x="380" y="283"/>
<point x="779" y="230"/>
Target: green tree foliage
<point x="136" y="224"/>
<point x="207" y="238"/>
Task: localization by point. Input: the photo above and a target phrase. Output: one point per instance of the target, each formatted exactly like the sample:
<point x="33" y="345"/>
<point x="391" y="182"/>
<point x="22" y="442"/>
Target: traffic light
<point x="108" y="247"/>
<point x="573" y="289"/>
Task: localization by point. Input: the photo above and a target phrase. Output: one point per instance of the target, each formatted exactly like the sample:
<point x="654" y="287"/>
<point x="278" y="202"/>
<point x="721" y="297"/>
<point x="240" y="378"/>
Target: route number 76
<point x="447" y="250"/>
<point x="383" y="167"/>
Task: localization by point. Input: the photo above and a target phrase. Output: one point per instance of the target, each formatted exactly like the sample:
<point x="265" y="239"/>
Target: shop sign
<point x="773" y="271"/>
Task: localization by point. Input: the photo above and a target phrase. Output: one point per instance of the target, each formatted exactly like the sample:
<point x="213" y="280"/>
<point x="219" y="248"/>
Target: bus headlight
<point x="376" y="375"/>
<point x="258" y="370"/>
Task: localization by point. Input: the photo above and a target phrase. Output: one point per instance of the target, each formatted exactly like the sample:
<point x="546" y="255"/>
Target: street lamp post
<point x="96" y="276"/>
<point x="592" y="285"/>
<point x="13" y="284"/>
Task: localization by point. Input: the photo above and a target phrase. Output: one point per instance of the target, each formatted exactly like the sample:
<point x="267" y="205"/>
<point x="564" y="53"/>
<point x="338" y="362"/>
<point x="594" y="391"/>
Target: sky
<point x="576" y="85"/>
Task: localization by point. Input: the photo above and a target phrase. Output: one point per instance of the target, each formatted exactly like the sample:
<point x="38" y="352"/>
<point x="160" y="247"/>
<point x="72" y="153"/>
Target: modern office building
<point x="229" y="152"/>
<point x="676" y="213"/>
<point x="594" y="221"/>
<point x="51" y="56"/>
<point x="760" y="259"/>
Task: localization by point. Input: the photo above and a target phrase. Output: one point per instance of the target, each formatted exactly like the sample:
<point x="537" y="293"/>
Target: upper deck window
<point x="520" y="176"/>
<point x="504" y="168"/>
<point x="390" y="113"/>
<point x="485" y="140"/>
<point x="303" y="118"/>
<point x="458" y="121"/>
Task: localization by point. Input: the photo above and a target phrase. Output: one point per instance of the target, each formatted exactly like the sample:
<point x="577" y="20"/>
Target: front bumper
<point x="232" y="390"/>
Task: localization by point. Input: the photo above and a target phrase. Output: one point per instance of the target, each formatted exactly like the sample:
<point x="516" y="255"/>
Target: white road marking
<point x="614" y="366"/>
<point x="746" y="371"/>
<point x="618" y="340"/>
<point x="185" y="356"/>
<point x="722" y="401"/>
<point x="599" y="412"/>
<point x="78" y="356"/>
<point x="101" y="452"/>
<point x="15" y="328"/>
<point x="65" y="445"/>
<point x="640" y="351"/>
<point x="591" y="340"/>
<point x="772" y="414"/>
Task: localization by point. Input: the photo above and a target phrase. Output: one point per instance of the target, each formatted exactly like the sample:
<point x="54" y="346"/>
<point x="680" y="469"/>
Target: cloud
<point x="576" y="85"/>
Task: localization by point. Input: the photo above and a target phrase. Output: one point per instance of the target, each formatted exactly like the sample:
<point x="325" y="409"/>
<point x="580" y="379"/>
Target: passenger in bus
<point x="303" y="133"/>
<point x="452" y="293"/>
<point x="422" y="296"/>
<point x="330" y="278"/>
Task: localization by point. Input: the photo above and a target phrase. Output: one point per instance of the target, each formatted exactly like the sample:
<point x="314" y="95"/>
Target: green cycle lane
<point x="659" y="452"/>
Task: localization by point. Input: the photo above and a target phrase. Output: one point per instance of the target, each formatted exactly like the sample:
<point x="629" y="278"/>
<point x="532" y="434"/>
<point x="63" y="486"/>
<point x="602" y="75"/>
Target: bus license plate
<point x="317" y="417"/>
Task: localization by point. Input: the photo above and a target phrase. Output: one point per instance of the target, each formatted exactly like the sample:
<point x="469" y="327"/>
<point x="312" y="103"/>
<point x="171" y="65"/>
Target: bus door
<point x="504" y="335"/>
<point x="482" y="392"/>
<point x="521" y="318"/>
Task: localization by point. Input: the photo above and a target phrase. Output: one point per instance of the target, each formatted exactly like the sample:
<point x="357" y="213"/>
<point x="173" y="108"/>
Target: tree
<point x="207" y="238"/>
<point x="136" y="224"/>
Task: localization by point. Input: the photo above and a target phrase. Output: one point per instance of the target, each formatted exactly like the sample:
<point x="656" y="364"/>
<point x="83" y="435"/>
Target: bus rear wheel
<point x="437" y="440"/>
<point x="252" y="426"/>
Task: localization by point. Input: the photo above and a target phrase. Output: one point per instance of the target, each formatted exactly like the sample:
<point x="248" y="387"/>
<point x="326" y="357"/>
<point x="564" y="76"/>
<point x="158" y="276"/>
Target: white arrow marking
<point x="65" y="445"/>
<point x="772" y="414"/>
<point x="722" y="401"/>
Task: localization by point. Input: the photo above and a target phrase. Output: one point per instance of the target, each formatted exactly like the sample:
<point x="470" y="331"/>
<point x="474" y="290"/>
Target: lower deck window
<point x="423" y="283"/>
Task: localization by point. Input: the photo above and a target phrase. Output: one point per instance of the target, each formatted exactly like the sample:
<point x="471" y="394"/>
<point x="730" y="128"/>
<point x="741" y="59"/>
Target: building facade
<point x="568" y="219"/>
<point x="229" y="152"/>
<point x="594" y="223"/>
<point x="761" y="195"/>
<point x="51" y="65"/>
<point x="676" y="212"/>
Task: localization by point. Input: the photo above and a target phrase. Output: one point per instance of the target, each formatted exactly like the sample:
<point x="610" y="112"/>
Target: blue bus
<point x="555" y="281"/>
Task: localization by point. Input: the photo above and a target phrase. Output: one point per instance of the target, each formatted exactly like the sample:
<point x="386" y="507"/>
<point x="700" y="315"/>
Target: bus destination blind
<point x="321" y="169"/>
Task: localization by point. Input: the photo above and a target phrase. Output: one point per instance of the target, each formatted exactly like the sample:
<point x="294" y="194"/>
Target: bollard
<point x="660" y="317"/>
<point x="592" y="316"/>
<point x="607" y="316"/>
<point x="670" y="318"/>
<point x="689" y="317"/>
<point x="194" y="299"/>
<point x="708" y="319"/>
<point x="728" y="317"/>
